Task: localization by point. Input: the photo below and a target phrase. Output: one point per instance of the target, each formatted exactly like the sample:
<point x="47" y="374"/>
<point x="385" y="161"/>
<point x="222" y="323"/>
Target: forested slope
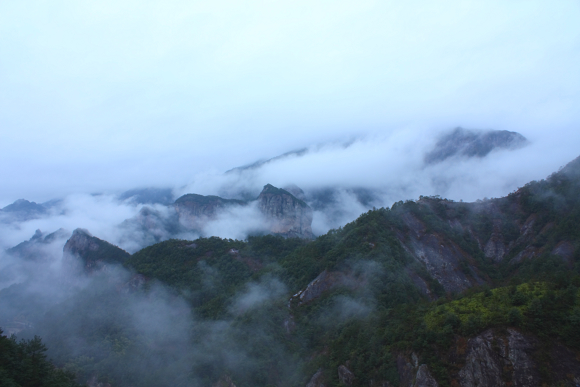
<point x="421" y="293"/>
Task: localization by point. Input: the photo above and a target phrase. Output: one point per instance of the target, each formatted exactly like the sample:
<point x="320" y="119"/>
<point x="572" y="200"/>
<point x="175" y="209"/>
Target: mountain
<point x="31" y="249"/>
<point x="288" y="216"/>
<point x="283" y="213"/>
<point x="194" y="210"/>
<point x="469" y="143"/>
<point x="91" y="253"/>
<point x="429" y="292"/>
<point x="22" y="210"/>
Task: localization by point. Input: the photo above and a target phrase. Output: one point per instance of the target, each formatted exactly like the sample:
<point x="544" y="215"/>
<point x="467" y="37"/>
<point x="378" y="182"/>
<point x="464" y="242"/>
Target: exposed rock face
<point x="468" y="143"/>
<point x="424" y="378"/>
<point x="284" y="214"/>
<point x="443" y="259"/>
<point x="92" y="253"/>
<point x="317" y="379"/>
<point x="323" y="283"/>
<point x="495" y="248"/>
<point x="345" y="376"/>
<point x="411" y="374"/>
<point x="499" y="360"/>
<point x="194" y="210"/>
<point x="287" y="215"/>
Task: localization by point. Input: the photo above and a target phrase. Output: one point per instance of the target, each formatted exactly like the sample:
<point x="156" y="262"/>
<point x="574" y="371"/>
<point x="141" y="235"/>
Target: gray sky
<point x="112" y="95"/>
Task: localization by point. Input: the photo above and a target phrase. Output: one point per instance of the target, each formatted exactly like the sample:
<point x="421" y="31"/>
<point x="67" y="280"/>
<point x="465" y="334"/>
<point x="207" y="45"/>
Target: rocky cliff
<point x="287" y="215"/>
<point x="194" y="210"/>
<point x="508" y="357"/>
<point x="91" y="253"/>
<point x="283" y="213"/>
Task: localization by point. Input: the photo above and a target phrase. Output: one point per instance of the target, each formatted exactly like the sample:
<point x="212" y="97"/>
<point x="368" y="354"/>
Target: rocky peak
<point x="470" y="143"/>
<point x="22" y="210"/>
<point x="91" y="252"/>
<point x="194" y="209"/>
<point x="287" y="215"/>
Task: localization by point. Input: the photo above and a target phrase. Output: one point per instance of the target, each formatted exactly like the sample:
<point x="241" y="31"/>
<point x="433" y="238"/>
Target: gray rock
<point x="317" y="380"/>
<point x="497" y="360"/>
<point x="424" y="378"/>
<point x="287" y="215"/>
<point x="345" y="376"/>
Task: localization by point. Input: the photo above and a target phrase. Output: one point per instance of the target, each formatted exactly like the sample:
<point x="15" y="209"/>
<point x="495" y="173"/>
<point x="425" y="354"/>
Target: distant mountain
<point x="285" y="214"/>
<point x="469" y="143"/>
<point x="22" y="210"/>
<point x="31" y="249"/>
<point x="429" y="292"/>
<point x="92" y="253"/>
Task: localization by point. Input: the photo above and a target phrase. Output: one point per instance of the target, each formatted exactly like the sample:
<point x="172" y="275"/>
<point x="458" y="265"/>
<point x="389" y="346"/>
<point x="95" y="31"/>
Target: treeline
<point x="24" y="364"/>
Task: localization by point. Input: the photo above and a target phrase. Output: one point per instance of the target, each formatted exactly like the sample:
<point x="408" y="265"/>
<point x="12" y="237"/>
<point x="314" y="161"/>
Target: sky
<point x="112" y="95"/>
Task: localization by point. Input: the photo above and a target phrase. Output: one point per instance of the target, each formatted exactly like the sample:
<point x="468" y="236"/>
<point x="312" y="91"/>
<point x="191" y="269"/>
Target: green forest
<point x="251" y="318"/>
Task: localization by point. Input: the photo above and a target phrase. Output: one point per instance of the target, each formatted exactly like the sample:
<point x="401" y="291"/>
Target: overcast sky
<point x="111" y="95"/>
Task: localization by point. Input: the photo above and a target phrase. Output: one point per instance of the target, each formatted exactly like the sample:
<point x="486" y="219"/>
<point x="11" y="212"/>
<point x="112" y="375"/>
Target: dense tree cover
<point x="24" y="364"/>
<point x="246" y="324"/>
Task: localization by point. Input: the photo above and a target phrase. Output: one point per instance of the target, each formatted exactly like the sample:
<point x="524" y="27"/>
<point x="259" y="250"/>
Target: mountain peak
<point x="472" y="143"/>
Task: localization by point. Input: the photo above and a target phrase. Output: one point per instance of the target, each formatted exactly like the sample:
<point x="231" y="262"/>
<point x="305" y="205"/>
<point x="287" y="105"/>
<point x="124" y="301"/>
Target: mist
<point x="134" y="331"/>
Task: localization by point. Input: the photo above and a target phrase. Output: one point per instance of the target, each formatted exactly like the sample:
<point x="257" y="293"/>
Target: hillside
<point x="427" y="292"/>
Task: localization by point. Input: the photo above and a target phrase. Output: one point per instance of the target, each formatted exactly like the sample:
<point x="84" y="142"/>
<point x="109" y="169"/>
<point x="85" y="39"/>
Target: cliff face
<point x="194" y="210"/>
<point x="91" y="253"/>
<point x="283" y="213"/>
<point x="287" y="215"/>
<point x="507" y="357"/>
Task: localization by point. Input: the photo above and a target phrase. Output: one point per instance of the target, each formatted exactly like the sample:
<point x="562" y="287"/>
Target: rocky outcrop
<point x="284" y="214"/>
<point x="287" y="215"/>
<point x="323" y="283"/>
<point x="444" y="260"/>
<point x="90" y="253"/>
<point x="345" y="376"/>
<point x="495" y="248"/>
<point x="468" y="143"/>
<point x="195" y="210"/>
<point x="495" y="359"/>
<point x="317" y="380"/>
<point x="411" y="374"/>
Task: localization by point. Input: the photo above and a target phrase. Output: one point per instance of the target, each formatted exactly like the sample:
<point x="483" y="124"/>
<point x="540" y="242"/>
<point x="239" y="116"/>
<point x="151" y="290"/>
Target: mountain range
<point x="426" y="292"/>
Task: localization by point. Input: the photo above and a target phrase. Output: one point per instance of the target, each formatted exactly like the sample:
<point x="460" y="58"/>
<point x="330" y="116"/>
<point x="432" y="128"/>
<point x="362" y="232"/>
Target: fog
<point x="101" y="98"/>
<point x="121" y="95"/>
<point x="131" y="333"/>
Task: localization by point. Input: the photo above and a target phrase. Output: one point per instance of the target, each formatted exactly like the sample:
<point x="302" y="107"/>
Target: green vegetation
<point x="24" y="364"/>
<point x="243" y="308"/>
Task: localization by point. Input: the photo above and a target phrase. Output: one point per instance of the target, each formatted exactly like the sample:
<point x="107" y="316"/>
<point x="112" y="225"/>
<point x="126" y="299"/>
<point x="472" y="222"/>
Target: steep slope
<point x="91" y="253"/>
<point x="288" y="216"/>
<point x="429" y="292"/>
<point x="194" y="210"/>
<point x="283" y="213"/>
